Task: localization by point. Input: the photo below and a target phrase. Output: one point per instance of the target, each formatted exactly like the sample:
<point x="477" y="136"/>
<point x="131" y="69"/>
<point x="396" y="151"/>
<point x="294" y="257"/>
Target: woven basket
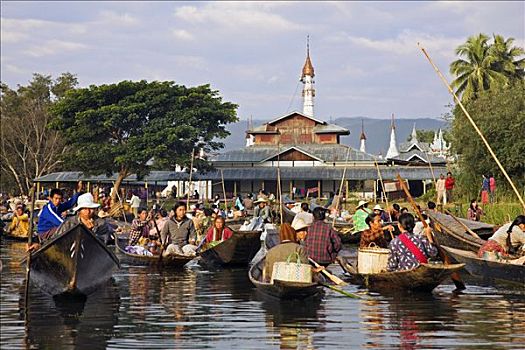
<point x="372" y="259"/>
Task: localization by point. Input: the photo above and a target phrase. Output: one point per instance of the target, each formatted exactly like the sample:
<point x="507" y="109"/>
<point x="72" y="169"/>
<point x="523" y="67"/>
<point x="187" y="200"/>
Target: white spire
<point x="307" y="78"/>
<point x="414" y="134"/>
<point x="250" y="139"/>
<point x="392" y="150"/>
<point x="362" y="148"/>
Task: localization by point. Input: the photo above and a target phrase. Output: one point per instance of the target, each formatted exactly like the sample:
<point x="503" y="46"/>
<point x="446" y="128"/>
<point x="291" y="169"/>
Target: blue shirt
<point x="50" y="215"/>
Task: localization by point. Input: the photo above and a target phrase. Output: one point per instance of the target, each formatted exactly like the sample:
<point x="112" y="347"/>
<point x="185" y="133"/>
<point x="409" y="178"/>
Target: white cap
<point x="85" y="201"/>
<point x="378" y="207"/>
<point x="299" y="224"/>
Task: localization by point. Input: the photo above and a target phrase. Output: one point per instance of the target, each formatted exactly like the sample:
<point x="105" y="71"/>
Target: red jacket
<point x="226" y="233"/>
<point x="449" y="183"/>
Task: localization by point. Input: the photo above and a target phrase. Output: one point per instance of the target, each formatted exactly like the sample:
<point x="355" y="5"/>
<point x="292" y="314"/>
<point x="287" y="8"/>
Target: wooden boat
<point x="424" y="278"/>
<point x="144" y="260"/>
<point x="76" y="262"/>
<point x="10" y="237"/>
<point x="282" y="289"/>
<point x="238" y="250"/>
<point x="489" y="270"/>
<point x="450" y="233"/>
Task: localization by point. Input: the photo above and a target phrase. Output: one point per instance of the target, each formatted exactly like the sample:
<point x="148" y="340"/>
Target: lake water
<point x="192" y="308"/>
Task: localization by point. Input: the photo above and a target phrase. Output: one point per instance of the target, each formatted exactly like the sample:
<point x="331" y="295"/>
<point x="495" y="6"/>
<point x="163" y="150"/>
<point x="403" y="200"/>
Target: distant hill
<point x="377" y="131"/>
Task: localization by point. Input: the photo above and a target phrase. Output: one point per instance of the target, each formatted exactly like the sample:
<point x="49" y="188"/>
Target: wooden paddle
<point x="455" y="276"/>
<point x="472" y="233"/>
<point x="160" y="239"/>
<point x="333" y="278"/>
<point x="29" y="243"/>
<point x="348" y="294"/>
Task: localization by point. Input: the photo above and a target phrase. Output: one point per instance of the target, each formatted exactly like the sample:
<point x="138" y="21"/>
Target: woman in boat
<point x="408" y="251"/>
<point x="20" y="223"/>
<point x="474" y="212"/>
<point x="375" y="233"/>
<point x="360" y="216"/>
<point x="506" y="238"/>
<point x="139" y="227"/>
<point x="218" y="232"/>
<point x="283" y="250"/>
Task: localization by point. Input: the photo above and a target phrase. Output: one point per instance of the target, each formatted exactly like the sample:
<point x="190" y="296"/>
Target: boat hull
<point x="238" y="250"/>
<point x="489" y="270"/>
<point x="175" y="261"/>
<point x="424" y="278"/>
<point x="73" y="263"/>
<point x="450" y="233"/>
<point x="281" y="289"/>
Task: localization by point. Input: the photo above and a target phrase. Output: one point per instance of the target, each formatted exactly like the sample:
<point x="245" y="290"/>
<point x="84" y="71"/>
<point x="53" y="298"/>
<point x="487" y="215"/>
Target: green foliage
<point x="129" y="127"/>
<point x="29" y="149"/>
<point x="500" y="115"/>
<point x="483" y="65"/>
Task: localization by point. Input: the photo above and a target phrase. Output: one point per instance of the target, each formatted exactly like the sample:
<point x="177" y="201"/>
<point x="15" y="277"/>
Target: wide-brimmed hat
<point x="85" y="201"/>
<point x="361" y="203"/>
<point x="378" y="207"/>
<point x="299" y="224"/>
<point x="261" y="200"/>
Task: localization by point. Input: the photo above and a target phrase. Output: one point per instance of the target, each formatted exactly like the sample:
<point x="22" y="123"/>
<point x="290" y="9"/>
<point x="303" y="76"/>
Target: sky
<point x="365" y="54"/>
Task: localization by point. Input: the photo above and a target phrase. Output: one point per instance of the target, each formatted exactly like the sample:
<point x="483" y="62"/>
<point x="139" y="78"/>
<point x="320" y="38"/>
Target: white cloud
<point x="115" y="18"/>
<point x="53" y="47"/>
<point x="182" y="34"/>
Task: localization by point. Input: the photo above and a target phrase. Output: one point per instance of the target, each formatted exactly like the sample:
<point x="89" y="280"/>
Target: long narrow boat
<point x="489" y="270"/>
<point x="75" y="262"/>
<point x="238" y="250"/>
<point x="424" y="278"/>
<point x="155" y="260"/>
<point x="9" y="237"/>
<point x="282" y="289"/>
<point x="450" y="233"/>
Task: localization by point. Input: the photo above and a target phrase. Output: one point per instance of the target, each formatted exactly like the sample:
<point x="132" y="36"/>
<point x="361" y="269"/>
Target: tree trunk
<point x="123" y="173"/>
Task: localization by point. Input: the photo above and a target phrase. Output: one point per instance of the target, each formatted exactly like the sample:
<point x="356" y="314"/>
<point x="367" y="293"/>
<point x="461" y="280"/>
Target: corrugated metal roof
<point x="329" y="153"/>
<point x="331" y="128"/>
<point x="409" y="156"/>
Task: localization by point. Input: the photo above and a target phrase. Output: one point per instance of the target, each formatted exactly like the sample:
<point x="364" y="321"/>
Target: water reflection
<point x="70" y="323"/>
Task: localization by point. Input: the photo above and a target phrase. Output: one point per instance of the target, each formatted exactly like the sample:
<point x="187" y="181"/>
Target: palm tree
<point x="507" y="57"/>
<point x="476" y="72"/>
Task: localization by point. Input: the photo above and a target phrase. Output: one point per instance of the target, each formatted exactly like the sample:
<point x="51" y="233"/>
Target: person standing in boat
<point x="51" y="215"/>
<point x="375" y="234"/>
<point x="408" y="251"/>
<point x="179" y="233"/>
<point x="279" y="253"/>
<point x="508" y="237"/>
<point x="322" y="241"/>
<point x="474" y="212"/>
<point x="20" y="223"/>
<point x="440" y="189"/>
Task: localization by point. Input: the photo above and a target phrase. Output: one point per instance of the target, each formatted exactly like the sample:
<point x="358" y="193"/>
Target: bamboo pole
<point x="189" y="183"/>
<point x="224" y="192"/>
<point x="473" y="123"/>
<point x="29" y="243"/>
<point x="341" y="186"/>
<point x="383" y="188"/>
<point x="279" y="189"/>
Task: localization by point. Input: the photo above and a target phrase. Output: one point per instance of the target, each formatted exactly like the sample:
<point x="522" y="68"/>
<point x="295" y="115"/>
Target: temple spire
<point x="392" y="149"/>
<point x="362" y="138"/>
<point x="307" y="78"/>
<point x="414" y="134"/>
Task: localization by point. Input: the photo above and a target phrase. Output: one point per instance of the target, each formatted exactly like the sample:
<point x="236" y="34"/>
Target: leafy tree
<point x="476" y="72"/>
<point x="500" y="115"/>
<point x="483" y="65"/>
<point x="130" y="127"/>
<point x="507" y="57"/>
<point x="29" y="149"/>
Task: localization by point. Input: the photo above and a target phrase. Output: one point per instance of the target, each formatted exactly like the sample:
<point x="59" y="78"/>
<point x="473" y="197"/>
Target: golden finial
<point x="308" y="68"/>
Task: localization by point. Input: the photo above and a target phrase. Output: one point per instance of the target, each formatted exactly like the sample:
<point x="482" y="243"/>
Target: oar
<point x="160" y="239"/>
<point x="333" y="278"/>
<point x="455" y="276"/>
<point x="29" y="242"/>
<point x="348" y="294"/>
<point x="472" y="233"/>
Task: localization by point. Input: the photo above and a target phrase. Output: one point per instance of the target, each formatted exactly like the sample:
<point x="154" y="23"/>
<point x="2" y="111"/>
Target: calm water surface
<point x="143" y="308"/>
